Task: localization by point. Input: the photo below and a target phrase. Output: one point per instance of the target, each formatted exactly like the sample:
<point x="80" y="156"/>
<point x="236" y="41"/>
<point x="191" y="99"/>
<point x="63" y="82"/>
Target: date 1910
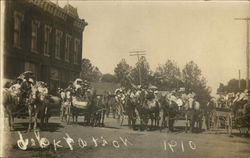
<point x="177" y="146"/>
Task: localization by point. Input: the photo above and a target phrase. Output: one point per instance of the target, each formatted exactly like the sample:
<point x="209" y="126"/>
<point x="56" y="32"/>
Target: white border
<point x="2" y="138"/>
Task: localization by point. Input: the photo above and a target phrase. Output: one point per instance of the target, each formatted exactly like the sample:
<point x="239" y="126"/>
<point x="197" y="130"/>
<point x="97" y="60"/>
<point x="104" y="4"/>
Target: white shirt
<point x="43" y="90"/>
<point x="179" y="102"/>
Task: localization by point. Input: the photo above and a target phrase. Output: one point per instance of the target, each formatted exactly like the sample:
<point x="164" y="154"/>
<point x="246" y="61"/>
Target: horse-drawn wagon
<point x="221" y="117"/>
<point x="26" y="98"/>
<point x="78" y="101"/>
<point x="237" y="116"/>
<point x="242" y="117"/>
<point x="188" y="111"/>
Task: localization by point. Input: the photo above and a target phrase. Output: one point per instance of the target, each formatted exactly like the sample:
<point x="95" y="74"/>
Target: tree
<point x="122" y="73"/>
<point x="89" y="72"/>
<point x="96" y="74"/>
<point x="222" y="88"/>
<point x="195" y="82"/>
<point x="145" y="72"/>
<point x="108" y="78"/>
<point x="168" y="76"/>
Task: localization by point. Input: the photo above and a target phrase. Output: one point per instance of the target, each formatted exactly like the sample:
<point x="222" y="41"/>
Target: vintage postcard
<point x="118" y="79"/>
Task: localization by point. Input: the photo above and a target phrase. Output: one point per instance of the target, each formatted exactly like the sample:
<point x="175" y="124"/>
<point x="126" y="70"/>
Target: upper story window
<point x="18" y="18"/>
<point x="34" y="35"/>
<point x="58" y="44"/>
<point x="47" y="35"/>
<point x="76" y="50"/>
<point x="67" y="47"/>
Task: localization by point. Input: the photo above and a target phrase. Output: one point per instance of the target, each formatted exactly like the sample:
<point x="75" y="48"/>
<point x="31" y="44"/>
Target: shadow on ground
<point x="51" y="127"/>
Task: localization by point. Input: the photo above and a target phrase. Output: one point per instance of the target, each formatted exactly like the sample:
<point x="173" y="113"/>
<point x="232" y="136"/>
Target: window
<point x="28" y="66"/>
<point x="34" y="35"/>
<point x="18" y="18"/>
<point x="67" y="47"/>
<point x="58" y="44"/>
<point x="76" y="50"/>
<point x="47" y="32"/>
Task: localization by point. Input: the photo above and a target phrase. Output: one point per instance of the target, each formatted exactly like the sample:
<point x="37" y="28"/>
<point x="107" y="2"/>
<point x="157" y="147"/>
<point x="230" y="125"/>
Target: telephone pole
<point x="138" y="54"/>
<point x="247" y="49"/>
<point x="239" y="81"/>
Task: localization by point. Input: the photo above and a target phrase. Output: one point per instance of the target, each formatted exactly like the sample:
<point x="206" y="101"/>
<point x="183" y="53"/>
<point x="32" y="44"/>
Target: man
<point x="208" y="112"/>
<point x="120" y="101"/>
<point x="26" y="89"/>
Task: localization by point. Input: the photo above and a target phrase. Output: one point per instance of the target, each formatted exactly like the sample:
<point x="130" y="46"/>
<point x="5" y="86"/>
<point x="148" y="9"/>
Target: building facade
<point x="43" y="38"/>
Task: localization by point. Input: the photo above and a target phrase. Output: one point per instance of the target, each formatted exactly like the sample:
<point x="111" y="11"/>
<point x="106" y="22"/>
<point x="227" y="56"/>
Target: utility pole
<point x="138" y="54"/>
<point x="247" y="49"/>
<point x="239" y="80"/>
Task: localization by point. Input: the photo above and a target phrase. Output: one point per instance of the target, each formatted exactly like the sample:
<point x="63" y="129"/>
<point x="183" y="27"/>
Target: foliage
<point x="89" y="72"/>
<point x="195" y="82"/>
<point x="108" y="78"/>
<point x="168" y="76"/>
<point x="122" y="73"/>
<point x="144" y="68"/>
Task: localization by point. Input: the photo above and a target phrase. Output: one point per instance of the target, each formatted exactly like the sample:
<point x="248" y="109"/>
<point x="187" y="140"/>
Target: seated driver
<point x="26" y="89"/>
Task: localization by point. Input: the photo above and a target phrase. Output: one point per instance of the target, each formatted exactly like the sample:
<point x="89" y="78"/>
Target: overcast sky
<point x="205" y="32"/>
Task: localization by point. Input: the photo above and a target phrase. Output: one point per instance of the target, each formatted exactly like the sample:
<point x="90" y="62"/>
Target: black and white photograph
<point x="124" y="79"/>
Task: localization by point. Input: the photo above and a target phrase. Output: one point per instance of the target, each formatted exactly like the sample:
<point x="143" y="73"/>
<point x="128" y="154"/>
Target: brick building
<point x="44" y="38"/>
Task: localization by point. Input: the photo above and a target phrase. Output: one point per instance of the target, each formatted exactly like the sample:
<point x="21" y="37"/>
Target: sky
<point x="203" y="31"/>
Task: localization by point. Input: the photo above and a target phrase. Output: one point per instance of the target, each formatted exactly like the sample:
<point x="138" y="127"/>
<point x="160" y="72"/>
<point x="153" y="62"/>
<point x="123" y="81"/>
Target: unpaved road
<point x="111" y="142"/>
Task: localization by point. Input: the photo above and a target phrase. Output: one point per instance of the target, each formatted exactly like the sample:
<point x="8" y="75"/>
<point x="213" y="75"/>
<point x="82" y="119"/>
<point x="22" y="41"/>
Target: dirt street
<point x="114" y="141"/>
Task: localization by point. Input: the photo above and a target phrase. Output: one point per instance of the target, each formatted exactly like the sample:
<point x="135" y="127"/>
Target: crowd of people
<point x="226" y="100"/>
<point x="179" y="97"/>
<point x="78" y="88"/>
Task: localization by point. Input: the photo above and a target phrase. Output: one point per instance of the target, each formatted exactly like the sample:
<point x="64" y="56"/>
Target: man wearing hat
<point x="26" y="88"/>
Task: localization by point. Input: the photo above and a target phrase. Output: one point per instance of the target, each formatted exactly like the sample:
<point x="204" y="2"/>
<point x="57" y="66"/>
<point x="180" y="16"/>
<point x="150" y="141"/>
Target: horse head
<point x="39" y="92"/>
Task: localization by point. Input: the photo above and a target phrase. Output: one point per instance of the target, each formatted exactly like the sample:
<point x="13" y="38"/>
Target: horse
<point x="11" y="104"/>
<point x="110" y="104"/>
<point x="97" y="110"/>
<point x="193" y="115"/>
<point x="120" y="109"/>
<point x="65" y="102"/>
<point x="36" y="103"/>
<point x="150" y="109"/>
<point x="170" y="111"/>
<point x="131" y="103"/>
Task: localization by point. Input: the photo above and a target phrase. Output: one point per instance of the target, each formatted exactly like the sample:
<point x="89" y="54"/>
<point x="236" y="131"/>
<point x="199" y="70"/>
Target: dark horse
<point x="97" y="111"/>
<point x="150" y="109"/>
